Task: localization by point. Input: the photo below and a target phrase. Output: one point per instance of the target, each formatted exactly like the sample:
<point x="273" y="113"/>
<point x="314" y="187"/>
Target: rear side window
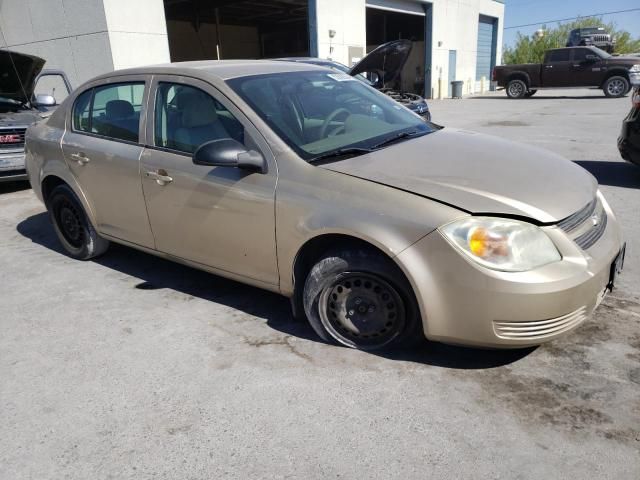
<point x="111" y="111"/>
<point x="81" y="112"/>
<point x="559" y="56"/>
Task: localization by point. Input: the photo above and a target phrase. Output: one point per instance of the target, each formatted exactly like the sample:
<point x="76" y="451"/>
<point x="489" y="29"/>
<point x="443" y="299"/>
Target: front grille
<point x="600" y="38"/>
<point x="539" y="329"/>
<point x="12" y="145"/>
<point x="587" y="225"/>
<point x="574" y="221"/>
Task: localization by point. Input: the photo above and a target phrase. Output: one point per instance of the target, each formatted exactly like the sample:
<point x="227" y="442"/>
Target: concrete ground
<point x="134" y="367"/>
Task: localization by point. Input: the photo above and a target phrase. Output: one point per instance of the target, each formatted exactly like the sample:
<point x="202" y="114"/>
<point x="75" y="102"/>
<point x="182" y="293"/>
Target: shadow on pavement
<point x="615" y="174"/>
<point x="156" y="273"/>
<point x="10" y="187"/>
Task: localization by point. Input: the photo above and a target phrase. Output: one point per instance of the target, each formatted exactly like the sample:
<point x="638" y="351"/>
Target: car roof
<point x="222" y="69"/>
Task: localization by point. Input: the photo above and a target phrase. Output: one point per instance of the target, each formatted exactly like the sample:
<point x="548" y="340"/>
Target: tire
<point x="616" y="87"/>
<point x="530" y="93"/>
<point x="72" y="226"/>
<point x="516" y="89"/>
<point x="360" y="299"/>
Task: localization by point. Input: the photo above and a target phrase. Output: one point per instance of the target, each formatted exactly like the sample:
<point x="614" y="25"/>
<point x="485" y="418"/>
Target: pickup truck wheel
<point x="359" y="299"/>
<point x="516" y="89"/>
<point x="73" y="228"/>
<point x="616" y="87"/>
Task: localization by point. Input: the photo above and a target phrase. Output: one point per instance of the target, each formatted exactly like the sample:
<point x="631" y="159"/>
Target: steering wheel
<point x="330" y="118"/>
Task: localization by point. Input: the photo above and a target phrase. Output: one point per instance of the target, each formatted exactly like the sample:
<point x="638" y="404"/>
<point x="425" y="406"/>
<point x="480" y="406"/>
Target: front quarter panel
<point x="312" y="201"/>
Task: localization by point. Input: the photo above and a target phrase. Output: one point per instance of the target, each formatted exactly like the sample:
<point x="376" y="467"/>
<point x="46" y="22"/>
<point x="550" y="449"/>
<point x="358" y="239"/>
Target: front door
<point x="102" y="146"/>
<point x="585" y="70"/>
<point x="222" y="217"/>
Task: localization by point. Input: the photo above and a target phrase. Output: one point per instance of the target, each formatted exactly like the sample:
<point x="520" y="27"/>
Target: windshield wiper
<point x="341" y="152"/>
<point x="396" y="137"/>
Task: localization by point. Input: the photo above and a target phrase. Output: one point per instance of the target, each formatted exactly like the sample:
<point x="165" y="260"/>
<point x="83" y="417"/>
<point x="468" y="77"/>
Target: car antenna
<point x="15" y="69"/>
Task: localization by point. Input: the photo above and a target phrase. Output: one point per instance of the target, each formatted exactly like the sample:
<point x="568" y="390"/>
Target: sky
<point x="519" y="12"/>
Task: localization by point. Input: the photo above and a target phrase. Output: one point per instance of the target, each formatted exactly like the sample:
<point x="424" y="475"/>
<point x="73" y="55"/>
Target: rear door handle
<point x="80" y="158"/>
<point x="548" y="66"/>
<point x="160" y="176"/>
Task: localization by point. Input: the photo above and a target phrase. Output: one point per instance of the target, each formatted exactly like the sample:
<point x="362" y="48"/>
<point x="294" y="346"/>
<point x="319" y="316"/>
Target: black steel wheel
<point x="361" y="300"/>
<point x="73" y="228"/>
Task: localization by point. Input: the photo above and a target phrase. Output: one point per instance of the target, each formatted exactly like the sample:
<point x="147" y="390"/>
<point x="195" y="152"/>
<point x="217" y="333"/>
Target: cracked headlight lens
<point x="501" y="243"/>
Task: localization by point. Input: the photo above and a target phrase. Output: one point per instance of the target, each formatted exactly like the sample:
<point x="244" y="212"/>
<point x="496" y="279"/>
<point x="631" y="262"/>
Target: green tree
<point x="529" y="49"/>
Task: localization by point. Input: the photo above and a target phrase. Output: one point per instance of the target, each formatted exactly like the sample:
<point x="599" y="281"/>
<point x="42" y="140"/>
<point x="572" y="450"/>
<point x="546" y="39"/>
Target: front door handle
<point x="160" y="176"/>
<point x="80" y="158"/>
<point x="548" y="66"/>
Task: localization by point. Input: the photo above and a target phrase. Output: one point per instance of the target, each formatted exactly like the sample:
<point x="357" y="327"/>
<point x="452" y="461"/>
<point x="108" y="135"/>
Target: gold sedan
<point x="381" y="228"/>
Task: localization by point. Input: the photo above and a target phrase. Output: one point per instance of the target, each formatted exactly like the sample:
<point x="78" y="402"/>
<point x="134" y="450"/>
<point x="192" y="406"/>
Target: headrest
<point x="198" y="110"/>
<point x="119" y="109"/>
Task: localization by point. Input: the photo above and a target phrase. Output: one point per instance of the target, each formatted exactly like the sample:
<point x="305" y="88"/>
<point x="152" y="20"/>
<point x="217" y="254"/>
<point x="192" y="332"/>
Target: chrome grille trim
<point x="574" y="221"/>
<point x="587" y="239"/>
<point x="13" y="131"/>
<point x="539" y="329"/>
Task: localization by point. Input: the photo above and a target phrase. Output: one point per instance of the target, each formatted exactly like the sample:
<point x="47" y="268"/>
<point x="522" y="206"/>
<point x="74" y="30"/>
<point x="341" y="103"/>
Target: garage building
<point x="452" y="39"/>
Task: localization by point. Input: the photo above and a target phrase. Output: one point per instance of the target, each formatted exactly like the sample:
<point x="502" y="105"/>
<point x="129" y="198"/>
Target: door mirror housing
<point x="227" y="152"/>
<point x="591" y="58"/>
<point x="44" y="101"/>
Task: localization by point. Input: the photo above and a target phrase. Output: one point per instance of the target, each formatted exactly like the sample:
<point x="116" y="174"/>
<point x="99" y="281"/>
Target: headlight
<point x="502" y="244"/>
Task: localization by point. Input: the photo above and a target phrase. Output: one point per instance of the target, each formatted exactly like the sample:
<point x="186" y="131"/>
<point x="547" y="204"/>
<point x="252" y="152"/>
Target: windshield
<point x="591" y="31"/>
<point x="318" y="112"/>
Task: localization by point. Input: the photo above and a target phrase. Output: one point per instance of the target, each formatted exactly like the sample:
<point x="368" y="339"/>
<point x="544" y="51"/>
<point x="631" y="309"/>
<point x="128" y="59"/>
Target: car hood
<point x="479" y="174"/>
<point x="18" y="73"/>
<point x="386" y="60"/>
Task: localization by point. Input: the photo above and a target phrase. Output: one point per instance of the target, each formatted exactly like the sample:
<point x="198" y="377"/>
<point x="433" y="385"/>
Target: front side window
<point x="115" y="111"/>
<point x="318" y="113"/>
<point x="187" y="117"/>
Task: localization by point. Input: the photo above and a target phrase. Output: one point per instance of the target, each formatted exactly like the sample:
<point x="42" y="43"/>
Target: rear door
<point x="222" y="217"/>
<point x="556" y="71"/>
<point x="102" y="146"/>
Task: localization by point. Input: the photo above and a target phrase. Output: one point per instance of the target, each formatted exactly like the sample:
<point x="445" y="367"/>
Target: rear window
<point x="559" y="56"/>
<point x="110" y="111"/>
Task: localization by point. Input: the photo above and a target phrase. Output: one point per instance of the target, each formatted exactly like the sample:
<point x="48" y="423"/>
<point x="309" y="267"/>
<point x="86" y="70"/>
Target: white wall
<point x="455" y="27"/>
<point x="347" y="19"/>
<point x="86" y="37"/>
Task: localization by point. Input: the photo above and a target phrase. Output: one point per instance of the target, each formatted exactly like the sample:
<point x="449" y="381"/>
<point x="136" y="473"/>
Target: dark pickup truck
<point x="569" y="67"/>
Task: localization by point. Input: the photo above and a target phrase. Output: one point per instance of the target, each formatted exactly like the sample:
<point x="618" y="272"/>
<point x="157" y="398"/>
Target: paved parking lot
<point x="134" y="367"/>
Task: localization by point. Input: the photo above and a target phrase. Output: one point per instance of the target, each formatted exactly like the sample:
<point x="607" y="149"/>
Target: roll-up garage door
<point x="486" y="47"/>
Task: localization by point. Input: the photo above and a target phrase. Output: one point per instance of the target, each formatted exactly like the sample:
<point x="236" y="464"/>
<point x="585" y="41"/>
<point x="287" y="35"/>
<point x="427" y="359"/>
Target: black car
<point x="629" y="139"/>
<point x="591" y="36"/>
<point x="382" y="67"/>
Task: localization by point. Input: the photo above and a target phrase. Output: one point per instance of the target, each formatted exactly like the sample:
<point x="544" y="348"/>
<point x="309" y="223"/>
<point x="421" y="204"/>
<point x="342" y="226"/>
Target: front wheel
<point x="516" y="89"/>
<point x="616" y="87"/>
<point x="360" y="299"/>
<point x="73" y="228"/>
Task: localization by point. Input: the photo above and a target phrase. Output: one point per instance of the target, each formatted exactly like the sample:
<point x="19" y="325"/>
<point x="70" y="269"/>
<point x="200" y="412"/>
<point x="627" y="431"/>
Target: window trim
<point x="112" y="82"/>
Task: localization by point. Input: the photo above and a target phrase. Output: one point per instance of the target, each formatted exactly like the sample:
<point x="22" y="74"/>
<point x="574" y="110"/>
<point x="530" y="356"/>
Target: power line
<point x="574" y="18"/>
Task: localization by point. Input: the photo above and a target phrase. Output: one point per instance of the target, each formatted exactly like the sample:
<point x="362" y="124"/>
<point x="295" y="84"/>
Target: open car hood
<point x="18" y="73"/>
<point x="386" y="60"/>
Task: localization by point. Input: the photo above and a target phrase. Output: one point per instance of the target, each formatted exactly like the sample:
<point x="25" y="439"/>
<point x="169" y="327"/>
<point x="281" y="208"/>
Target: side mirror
<point x="227" y="152"/>
<point x="45" y="100"/>
<point x="591" y="58"/>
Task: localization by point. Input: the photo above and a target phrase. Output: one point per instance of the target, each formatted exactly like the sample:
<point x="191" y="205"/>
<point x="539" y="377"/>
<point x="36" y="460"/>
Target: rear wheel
<point x="516" y="89"/>
<point x="616" y="87"/>
<point x="360" y="299"/>
<point x="73" y="228"/>
<point x="530" y="93"/>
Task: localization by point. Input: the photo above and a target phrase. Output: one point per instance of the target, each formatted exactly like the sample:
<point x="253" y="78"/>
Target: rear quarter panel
<point x="530" y="71"/>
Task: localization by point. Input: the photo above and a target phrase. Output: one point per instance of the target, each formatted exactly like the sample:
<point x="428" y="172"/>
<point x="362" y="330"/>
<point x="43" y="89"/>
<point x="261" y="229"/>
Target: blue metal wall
<point x="487" y="40"/>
